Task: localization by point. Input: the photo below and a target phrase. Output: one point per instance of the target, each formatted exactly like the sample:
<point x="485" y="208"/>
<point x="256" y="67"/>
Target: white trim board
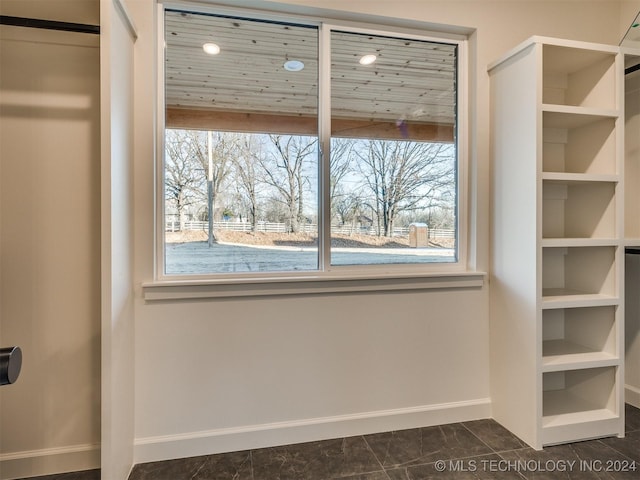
<point x="49" y="461"/>
<point x="126" y="18"/>
<point x="632" y="395"/>
<point x="150" y="449"/>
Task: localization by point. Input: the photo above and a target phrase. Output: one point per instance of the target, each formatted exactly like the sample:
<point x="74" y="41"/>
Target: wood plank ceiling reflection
<point x="412" y="81"/>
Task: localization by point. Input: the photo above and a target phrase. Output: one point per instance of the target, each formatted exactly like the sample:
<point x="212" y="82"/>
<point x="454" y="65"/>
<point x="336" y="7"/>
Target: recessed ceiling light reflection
<point x="211" y="48"/>
<point x="367" y="59"/>
<point x="293" y="65"/>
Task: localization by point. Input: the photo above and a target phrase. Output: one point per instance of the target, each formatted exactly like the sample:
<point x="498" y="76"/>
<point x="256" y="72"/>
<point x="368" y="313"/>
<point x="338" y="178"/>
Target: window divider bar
<point x="324" y="133"/>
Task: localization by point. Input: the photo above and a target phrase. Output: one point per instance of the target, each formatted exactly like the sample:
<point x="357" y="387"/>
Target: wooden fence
<point x="174" y="226"/>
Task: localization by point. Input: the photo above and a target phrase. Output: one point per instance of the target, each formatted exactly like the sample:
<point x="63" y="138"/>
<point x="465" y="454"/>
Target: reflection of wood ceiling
<point x="411" y="82"/>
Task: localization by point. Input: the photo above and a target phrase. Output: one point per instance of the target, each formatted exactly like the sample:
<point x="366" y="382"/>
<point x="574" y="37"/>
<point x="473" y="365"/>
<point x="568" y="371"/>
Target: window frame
<point x="382" y="274"/>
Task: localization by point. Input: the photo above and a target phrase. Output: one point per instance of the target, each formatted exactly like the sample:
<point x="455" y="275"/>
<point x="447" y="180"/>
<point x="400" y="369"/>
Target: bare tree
<point x="339" y="168"/>
<point x="285" y="171"/>
<point x="340" y="162"/>
<point x="183" y="181"/>
<point x="402" y="175"/>
<point x="246" y="175"/>
<point x="347" y="207"/>
<point x="214" y="151"/>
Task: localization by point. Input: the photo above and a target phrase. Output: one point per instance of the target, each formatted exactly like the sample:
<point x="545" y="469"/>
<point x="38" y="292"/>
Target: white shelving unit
<point x="557" y="338"/>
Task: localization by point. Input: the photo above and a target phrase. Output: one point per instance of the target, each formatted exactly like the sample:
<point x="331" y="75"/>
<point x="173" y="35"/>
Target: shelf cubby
<point x="578" y="337"/>
<point x="578" y="77"/>
<point x="578" y="271"/>
<point x="578" y="209"/>
<point x="573" y="396"/>
<point x="579" y="142"/>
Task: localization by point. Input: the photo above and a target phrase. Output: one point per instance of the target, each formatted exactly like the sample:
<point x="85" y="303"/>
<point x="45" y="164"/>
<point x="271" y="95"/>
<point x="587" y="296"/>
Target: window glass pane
<point x="241" y="143"/>
<point x="393" y="152"/>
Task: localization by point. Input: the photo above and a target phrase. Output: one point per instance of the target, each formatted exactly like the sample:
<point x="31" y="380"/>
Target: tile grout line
<point x="522" y="476"/>
<point x="493" y="450"/>
<point x="483" y="442"/>
<point x="611" y="447"/>
<point x="384" y="470"/>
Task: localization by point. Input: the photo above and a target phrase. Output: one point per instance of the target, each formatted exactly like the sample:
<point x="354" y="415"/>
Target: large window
<point x="303" y="147"/>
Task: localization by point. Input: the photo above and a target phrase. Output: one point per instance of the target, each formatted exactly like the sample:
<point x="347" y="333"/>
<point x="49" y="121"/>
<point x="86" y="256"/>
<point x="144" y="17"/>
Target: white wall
<point x="50" y="249"/>
<point x="629" y="9"/>
<point x="229" y="374"/>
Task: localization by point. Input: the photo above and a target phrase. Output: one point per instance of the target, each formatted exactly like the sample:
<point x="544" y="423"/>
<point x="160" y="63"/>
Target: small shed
<point x="418" y="235"/>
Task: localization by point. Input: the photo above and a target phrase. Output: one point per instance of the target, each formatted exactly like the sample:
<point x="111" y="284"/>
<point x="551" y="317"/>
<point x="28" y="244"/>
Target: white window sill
<point x="306" y="285"/>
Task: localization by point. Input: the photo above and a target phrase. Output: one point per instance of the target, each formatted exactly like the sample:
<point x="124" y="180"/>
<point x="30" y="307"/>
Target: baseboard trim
<point x="150" y="449"/>
<point x="49" y="461"/>
<point x="632" y="395"/>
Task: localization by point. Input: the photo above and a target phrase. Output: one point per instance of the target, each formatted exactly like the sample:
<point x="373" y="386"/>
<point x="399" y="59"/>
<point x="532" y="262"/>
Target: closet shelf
<point x="564" y="298"/>
<point x="586" y="416"/>
<point x="564" y="408"/>
<point x="564" y="116"/>
<point x="564" y="355"/>
<point x="580" y="242"/>
<point x="576" y="178"/>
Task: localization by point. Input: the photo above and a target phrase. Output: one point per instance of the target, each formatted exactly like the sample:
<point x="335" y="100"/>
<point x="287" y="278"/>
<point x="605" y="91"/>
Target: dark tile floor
<point x="477" y="450"/>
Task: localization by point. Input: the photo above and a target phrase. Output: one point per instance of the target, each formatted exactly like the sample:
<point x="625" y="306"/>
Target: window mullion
<point x="324" y="134"/>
